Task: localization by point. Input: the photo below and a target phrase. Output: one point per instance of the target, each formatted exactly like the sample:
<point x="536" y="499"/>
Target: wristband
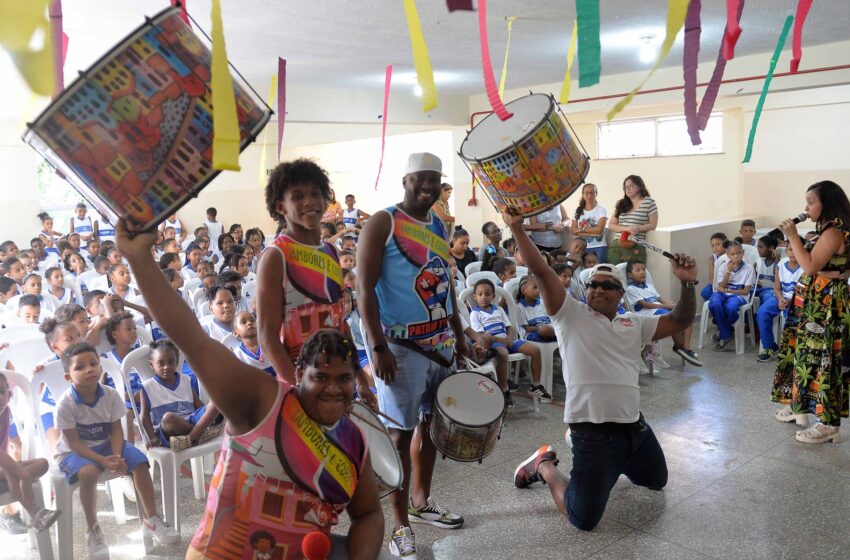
<point x="380" y="347"/>
<point x="690" y="284"/>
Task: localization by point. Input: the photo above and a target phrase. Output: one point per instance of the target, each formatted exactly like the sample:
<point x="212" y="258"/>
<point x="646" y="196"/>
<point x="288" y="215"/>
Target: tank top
<point x="105" y="231"/>
<point x="178" y="229"/>
<point x="312" y="286"/>
<point x="253" y="494"/>
<point x="82" y="226"/>
<point x="349" y="217"/>
<point x="413" y="290"/>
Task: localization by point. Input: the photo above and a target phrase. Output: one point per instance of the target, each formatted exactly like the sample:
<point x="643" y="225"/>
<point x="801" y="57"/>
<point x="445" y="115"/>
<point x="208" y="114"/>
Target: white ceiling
<point x="348" y="43"/>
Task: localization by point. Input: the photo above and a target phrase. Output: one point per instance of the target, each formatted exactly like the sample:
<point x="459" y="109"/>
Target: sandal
<point x="785" y="414"/>
<point x="820" y="433"/>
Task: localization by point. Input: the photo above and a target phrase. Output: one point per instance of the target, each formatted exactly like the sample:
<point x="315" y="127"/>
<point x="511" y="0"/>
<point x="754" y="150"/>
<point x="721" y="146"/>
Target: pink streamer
<point x="60" y="45"/>
<point x="387" y="81"/>
<point x="460" y="5"/>
<point x="184" y="14"/>
<point x="281" y="103"/>
<point x="487" y="65"/>
<point x="797" y="38"/>
<point x="733" y="29"/>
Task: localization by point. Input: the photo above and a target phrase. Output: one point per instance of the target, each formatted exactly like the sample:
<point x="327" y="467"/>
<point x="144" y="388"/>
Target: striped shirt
<point x="639" y="216"/>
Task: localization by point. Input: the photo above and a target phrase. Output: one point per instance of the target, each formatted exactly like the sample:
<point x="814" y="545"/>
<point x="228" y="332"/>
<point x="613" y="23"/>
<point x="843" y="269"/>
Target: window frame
<point x="600" y="125"/>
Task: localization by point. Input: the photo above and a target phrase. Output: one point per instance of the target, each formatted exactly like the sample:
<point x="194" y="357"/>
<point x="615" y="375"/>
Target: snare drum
<point x="467" y="416"/>
<point x="528" y="163"/>
<point x="133" y="134"/>
<point x="386" y="462"/>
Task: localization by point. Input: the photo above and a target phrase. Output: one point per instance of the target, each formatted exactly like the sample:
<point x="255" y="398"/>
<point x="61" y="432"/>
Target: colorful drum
<point x="467" y="416"/>
<point x="528" y="163"/>
<point x="133" y="134"/>
<point x="386" y="462"/>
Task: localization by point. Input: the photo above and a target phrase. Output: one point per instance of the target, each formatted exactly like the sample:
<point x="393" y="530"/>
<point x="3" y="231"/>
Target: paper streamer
<point x="281" y="103"/>
<point x="487" y="66"/>
<point x="571" y="53"/>
<point x="697" y="121"/>
<point x="225" y="121"/>
<point x="421" y="59"/>
<point x="589" y="48"/>
<point x="265" y="144"/>
<point x="460" y="5"/>
<point x="20" y="21"/>
<point x="773" y="60"/>
<point x="803" y="7"/>
<point x="733" y="29"/>
<point x="676" y="12"/>
<point x="387" y="81"/>
<point x="59" y="44"/>
<point x="184" y="14"/>
<point x="507" y="51"/>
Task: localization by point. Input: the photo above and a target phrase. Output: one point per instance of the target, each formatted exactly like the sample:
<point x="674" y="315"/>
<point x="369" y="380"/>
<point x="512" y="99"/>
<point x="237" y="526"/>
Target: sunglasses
<point x="606" y="285"/>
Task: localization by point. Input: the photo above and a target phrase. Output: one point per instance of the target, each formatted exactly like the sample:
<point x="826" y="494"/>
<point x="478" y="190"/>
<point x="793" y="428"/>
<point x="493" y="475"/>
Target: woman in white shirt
<point x="590" y="221"/>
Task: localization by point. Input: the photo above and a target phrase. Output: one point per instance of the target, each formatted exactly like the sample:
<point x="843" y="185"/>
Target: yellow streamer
<point x="20" y="22"/>
<point x="421" y="59"/>
<point x="676" y="12"/>
<point x="225" y="120"/>
<point x="265" y="150"/>
<point x="571" y="55"/>
<point x="505" y="65"/>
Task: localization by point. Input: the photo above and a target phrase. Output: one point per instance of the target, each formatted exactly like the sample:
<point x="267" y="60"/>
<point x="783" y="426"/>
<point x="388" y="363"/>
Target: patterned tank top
<point x="836" y="263"/>
<point x="255" y="509"/>
<point x="312" y="285"/>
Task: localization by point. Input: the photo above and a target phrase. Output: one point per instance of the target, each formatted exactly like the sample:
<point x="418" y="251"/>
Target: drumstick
<point x="625" y="237"/>
<point x="379" y="413"/>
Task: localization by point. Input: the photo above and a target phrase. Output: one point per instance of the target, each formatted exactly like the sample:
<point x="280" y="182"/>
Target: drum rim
<point x="362" y="407"/>
<point x="442" y="411"/>
<point x="528" y="135"/>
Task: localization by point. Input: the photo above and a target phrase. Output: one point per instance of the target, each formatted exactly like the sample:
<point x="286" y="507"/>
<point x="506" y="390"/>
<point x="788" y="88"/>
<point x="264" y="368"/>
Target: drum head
<point x="492" y="135"/>
<point x="385" y="460"/>
<point x="470" y="398"/>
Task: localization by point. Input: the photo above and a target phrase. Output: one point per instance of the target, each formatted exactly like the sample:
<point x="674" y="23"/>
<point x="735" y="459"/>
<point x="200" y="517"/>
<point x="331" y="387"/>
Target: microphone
<point x="315" y="546"/>
<point x="777" y="233"/>
<point x="625" y="237"/>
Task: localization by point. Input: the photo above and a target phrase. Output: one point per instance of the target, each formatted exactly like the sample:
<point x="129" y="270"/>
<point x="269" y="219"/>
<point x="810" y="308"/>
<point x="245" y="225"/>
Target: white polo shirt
<point x="93" y="421"/>
<point x="604" y="362"/>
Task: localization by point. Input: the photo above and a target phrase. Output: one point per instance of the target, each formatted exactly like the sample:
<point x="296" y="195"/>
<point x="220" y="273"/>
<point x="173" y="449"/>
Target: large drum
<point x="133" y="134"/>
<point x="386" y="462"/>
<point x="467" y="416"/>
<point x="528" y="163"/>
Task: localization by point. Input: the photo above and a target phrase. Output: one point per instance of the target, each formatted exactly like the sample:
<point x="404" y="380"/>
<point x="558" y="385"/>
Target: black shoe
<point x="541" y="393"/>
<point x="512" y="386"/>
<point x="688" y="355"/>
<point x="509" y="402"/>
<point x="12" y="524"/>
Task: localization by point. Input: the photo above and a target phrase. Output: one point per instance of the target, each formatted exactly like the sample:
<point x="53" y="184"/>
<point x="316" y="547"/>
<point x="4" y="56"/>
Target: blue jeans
<point x="724" y="309"/>
<point x="600" y="456"/>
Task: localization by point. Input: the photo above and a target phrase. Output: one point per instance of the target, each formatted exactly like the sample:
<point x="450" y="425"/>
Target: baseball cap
<point x="605" y="269"/>
<point x="423" y="161"/>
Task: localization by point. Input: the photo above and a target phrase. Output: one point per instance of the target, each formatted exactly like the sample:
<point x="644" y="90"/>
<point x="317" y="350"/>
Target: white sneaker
<point x="128" y="488"/>
<point x="160" y="530"/>
<point x="403" y="544"/>
<point x="820" y="433"/>
<point x="96" y="544"/>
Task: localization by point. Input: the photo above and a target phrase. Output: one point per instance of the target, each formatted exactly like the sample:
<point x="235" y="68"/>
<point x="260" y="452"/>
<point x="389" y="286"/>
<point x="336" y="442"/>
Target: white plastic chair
<point x="86" y="278"/>
<point x="168" y="460"/>
<point x="473" y="267"/>
<point x="25" y="354"/>
<point x="54" y="377"/>
<point x="201" y="305"/>
<point x="471" y="279"/>
<point x="751" y="255"/>
<point x="521" y="271"/>
<point x="232" y="341"/>
<point x="745" y="317"/>
<point x="15" y="333"/>
<point x="512" y="286"/>
<point x="249" y="291"/>
<point x="23" y="406"/>
<point x="189" y="288"/>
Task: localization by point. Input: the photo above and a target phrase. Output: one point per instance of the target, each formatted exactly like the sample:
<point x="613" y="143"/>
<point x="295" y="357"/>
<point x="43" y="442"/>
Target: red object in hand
<point x="625" y="242"/>
<point x="315" y="546"/>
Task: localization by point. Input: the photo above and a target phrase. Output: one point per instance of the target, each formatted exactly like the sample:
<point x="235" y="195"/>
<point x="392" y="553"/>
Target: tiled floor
<point x="740" y="485"/>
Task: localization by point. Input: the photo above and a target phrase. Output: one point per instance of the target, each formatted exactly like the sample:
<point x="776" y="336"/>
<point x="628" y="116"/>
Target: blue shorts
<point x="408" y="399"/>
<point x="514" y="345"/>
<point x="535" y="337"/>
<point x="71" y="463"/>
<point x="661" y="311"/>
<point x="193" y="419"/>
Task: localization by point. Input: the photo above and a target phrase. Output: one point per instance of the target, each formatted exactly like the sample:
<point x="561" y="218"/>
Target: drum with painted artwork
<point x="528" y="163"/>
<point x="133" y="134"/>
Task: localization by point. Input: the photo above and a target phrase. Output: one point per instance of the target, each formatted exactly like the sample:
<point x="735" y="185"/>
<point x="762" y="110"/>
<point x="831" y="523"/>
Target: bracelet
<point x="690" y="283"/>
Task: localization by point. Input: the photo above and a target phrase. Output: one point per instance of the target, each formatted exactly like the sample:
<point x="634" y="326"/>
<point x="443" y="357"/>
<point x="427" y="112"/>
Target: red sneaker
<point x="526" y="473"/>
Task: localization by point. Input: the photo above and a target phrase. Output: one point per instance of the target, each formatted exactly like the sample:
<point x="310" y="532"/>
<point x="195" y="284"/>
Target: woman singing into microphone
<point x="811" y="376"/>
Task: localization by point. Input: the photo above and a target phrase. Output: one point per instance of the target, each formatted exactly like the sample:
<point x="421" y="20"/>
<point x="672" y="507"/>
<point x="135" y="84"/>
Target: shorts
<point x="535" y="337"/>
<point x="514" y="348"/>
<point x="71" y="463"/>
<point x="193" y="419"/>
<point x="661" y="311"/>
<point x="408" y="399"/>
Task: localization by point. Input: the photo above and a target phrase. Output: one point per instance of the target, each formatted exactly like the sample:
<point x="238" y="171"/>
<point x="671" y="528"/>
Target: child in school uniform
<point x="735" y="280"/>
<point x="748" y="232"/>
<point x="221" y="300"/>
<point x="766" y="267"/>
<point x="532" y="315"/>
<point x="489" y="318"/>
<point x="56" y="286"/>
<point x="172" y="413"/>
<point x="788" y="273"/>
<point x="89" y="417"/>
<point x="118" y="279"/>
<point x="81" y="224"/>
<point x="249" y="351"/>
<point x="214" y="228"/>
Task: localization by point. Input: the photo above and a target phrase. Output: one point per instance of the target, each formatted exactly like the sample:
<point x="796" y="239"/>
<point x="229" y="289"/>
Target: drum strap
<point x="434" y="356"/>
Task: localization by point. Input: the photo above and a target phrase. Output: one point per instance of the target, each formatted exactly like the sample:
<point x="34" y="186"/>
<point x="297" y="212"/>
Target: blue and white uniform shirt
<point x="92" y="420"/>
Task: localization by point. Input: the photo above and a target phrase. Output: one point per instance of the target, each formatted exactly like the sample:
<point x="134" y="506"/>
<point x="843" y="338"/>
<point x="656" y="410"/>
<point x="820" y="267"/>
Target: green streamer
<point x="587" y="14"/>
<point x="774" y="59"/>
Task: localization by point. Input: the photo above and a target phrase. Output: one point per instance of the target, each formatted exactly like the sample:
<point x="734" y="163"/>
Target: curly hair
<point x="299" y="172"/>
<point x="325" y="344"/>
<point x="113" y="323"/>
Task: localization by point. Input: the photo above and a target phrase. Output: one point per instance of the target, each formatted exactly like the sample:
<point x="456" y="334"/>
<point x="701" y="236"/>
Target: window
<point x="663" y="136"/>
